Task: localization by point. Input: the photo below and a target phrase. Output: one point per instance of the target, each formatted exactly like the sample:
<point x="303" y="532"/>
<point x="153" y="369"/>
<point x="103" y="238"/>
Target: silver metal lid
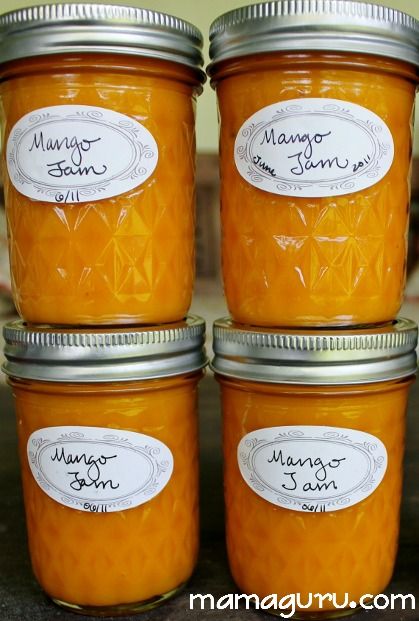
<point x="56" y="355"/>
<point x="323" y="25"/>
<point x="74" y="28"/>
<point x="322" y="357"/>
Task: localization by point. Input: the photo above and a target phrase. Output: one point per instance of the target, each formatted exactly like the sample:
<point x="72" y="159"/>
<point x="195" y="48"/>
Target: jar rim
<point x="324" y="356"/>
<point x="314" y="25"/>
<point x="117" y="354"/>
<point x="62" y="28"/>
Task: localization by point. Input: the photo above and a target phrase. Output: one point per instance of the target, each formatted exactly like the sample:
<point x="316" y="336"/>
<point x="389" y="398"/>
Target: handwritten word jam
<point x="78" y="153"/>
<point x="313" y="469"/>
<point x="305" y="158"/>
<point x="313" y="147"/>
<point x="309" y="474"/>
<point x="73" y="148"/>
<point x="90" y="471"/>
<point x="99" y="470"/>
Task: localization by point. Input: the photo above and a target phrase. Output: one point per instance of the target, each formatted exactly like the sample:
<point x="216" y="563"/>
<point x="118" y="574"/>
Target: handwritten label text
<point x="91" y="475"/>
<point x="312" y="468"/>
<point x="313" y="147"/>
<point x="98" y="470"/>
<point x="312" y="474"/>
<point x="75" y="154"/>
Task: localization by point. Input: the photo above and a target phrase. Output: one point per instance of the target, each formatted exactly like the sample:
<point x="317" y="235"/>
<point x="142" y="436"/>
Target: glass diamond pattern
<point x="127" y="259"/>
<point x="275" y="550"/>
<point x="337" y="260"/>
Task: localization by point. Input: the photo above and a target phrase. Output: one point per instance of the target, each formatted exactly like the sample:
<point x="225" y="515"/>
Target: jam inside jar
<point x="99" y="166"/>
<point x="313" y="441"/>
<point x="315" y="156"/>
<point x="348" y="553"/>
<point x="109" y="463"/>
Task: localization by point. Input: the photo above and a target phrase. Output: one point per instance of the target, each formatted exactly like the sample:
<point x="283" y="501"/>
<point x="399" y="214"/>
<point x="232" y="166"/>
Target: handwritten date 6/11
<point x="95" y="508"/>
<point x="72" y="196"/>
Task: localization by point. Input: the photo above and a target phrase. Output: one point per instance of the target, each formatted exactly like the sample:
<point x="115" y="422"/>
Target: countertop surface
<point x="21" y="599"/>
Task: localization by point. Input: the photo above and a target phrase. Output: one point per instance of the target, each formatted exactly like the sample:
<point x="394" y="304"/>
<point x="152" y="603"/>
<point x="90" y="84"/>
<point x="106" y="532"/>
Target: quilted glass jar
<point x="315" y="106"/>
<point x="107" y="426"/>
<point x="98" y="107"/>
<point x="313" y="434"/>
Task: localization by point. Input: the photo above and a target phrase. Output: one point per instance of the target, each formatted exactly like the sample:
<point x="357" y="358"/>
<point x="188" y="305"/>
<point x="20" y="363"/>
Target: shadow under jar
<point x="107" y="425"/>
<point x="315" y="107"/>
<point x="98" y="106"/>
<point x="313" y="435"/>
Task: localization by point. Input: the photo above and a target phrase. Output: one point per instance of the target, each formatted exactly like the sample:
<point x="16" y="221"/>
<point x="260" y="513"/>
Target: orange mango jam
<point x="119" y="260"/>
<point x="273" y="550"/>
<point x="126" y="560"/>
<point x="333" y="260"/>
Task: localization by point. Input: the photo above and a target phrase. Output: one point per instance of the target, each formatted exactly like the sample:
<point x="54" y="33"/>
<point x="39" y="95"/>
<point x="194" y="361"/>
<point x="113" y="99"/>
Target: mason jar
<point x="107" y="426"/>
<point x="98" y="113"/>
<point x="316" y="114"/>
<point x="313" y="432"/>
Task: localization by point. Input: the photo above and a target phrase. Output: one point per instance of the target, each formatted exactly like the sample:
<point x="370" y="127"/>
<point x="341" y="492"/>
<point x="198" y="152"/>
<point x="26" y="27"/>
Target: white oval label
<point x="98" y="469"/>
<point x="313" y="147"/>
<point x="76" y="154"/>
<point x="310" y="468"/>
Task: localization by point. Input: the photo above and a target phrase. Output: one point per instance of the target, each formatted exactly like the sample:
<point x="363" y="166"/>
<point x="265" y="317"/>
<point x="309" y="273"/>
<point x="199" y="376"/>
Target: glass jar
<point x="107" y="425"/>
<point x="316" y="108"/>
<point x="98" y="107"/>
<point x="314" y="427"/>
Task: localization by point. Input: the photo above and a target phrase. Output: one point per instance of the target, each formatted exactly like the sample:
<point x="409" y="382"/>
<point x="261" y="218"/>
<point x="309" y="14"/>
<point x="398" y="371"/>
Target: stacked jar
<point x="316" y="105"/>
<point x="99" y="161"/>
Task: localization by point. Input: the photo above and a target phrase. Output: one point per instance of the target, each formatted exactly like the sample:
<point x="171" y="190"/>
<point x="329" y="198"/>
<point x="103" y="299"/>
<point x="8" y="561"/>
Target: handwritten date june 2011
<point x="358" y="165"/>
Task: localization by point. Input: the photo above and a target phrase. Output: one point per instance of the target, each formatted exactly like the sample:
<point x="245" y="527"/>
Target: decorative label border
<point x="137" y="140"/>
<point x="370" y="167"/>
<point x="366" y="446"/>
<point x="150" y="454"/>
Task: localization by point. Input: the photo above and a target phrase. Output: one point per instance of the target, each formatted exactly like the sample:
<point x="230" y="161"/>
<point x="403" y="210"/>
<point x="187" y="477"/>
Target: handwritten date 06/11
<point x="95" y="508"/>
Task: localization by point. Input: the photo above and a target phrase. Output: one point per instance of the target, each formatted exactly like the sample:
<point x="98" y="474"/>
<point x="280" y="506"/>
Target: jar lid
<point x="315" y="25"/>
<point x="74" y="28"/>
<point x="52" y="354"/>
<point x="322" y="356"/>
